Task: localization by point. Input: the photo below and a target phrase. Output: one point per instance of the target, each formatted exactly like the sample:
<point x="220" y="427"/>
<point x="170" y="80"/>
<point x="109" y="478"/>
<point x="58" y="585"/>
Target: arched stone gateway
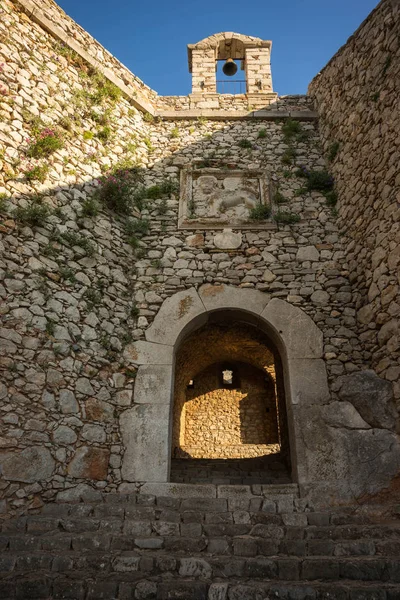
<point x="333" y="449"/>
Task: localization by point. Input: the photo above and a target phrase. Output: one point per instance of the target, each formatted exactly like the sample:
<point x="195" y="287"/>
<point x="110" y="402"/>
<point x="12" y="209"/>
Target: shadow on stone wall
<point x="75" y="293"/>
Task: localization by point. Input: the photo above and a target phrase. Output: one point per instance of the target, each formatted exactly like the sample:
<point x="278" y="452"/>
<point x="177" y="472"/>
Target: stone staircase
<point x="201" y="543"/>
<point x="244" y="471"/>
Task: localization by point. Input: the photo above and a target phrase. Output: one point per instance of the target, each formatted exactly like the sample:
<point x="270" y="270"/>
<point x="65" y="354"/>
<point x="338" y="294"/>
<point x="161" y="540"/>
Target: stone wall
<point x="356" y="96"/>
<point x="79" y="281"/>
<point x="229" y="423"/>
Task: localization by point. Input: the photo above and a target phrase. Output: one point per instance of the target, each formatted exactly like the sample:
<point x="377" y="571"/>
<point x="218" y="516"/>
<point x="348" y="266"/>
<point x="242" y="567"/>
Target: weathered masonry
<point x="202" y="289"/>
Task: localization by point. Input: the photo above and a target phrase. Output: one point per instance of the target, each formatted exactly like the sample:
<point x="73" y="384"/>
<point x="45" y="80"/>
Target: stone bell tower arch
<point x="254" y="54"/>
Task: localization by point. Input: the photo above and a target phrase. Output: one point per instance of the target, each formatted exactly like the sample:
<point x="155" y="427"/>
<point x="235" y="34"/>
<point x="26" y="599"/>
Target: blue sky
<point x="150" y="38"/>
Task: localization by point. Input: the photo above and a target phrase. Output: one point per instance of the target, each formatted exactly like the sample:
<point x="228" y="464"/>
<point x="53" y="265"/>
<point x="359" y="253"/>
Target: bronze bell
<point x="230" y="67"/>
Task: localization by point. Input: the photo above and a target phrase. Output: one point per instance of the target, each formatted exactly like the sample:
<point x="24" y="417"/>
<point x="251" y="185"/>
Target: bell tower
<point x="252" y="53"/>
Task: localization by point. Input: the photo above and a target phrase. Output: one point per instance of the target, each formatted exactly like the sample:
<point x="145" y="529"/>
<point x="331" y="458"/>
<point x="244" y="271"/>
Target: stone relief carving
<point x="220" y="198"/>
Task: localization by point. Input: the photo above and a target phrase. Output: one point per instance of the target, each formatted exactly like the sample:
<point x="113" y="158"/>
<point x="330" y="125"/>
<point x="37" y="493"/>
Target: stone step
<point x="264" y="470"/>
<point x="365" y="568"/>
<point x="262" y="542"/>
<point x="113" y="519"/>
<point x="143" y="586"/>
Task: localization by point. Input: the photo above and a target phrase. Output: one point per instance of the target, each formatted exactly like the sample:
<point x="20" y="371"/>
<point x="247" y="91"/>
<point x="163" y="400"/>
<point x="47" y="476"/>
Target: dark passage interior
<point x="229" y="422"/>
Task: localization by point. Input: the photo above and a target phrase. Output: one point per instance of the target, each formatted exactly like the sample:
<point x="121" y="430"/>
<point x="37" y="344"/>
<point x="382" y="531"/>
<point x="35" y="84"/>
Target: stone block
<point x="216" y="297"/>
<point x="191" y="529"/>
<point x="145" y="435"/>
<point x="234" y="491"/>
<point x="244" y="546"/>
<point x="89" y="462"/>
<point x="33" y="588"/>
<point x="149" y="543"/>
<point x="68" y="590"/>
<point x="185" y="545"/>
<point x="264" y="568"/>
<point x="175" y="313"/>
<point x="295" y="519"/>
<point x="371" y="396"/>
<point x="145" y="590"/>
<point x="147" y="353"/>
<point x="218" y="546"/>
<point x="289" y="569"/>
<point x="319" y="569"/>
<point x="195" y="567"/>
<point x="153" y="384"/>
<point x="102" y="590"/>
<point x="180" y="490"/>
<point x="137" y="528"/>
<point x="308" y="381"/>
<point x="126" y="564"/>
<point x="218" y="591"/>
<point x="79" y="493"/>
<point x="179" y="590"/>
<point x="301" y="337"/>
<point x="33" y="464"/>
<point x="164" y="528"/>
<point x="205" y="504"/>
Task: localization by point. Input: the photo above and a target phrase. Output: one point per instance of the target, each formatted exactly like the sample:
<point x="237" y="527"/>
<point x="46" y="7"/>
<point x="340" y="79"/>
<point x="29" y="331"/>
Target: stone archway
<point x="147" y="426"/>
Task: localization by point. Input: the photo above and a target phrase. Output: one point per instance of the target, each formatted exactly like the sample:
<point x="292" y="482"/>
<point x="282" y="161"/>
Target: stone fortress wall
<point x="77" y="289"/>
<point x="356" y="96"/>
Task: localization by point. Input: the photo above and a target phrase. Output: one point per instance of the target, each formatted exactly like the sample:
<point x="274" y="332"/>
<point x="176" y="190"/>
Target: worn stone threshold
<point x="210" y="490"/>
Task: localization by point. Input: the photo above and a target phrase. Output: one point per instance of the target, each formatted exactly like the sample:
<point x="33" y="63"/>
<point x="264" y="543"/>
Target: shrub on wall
<point x="44" y="143"/>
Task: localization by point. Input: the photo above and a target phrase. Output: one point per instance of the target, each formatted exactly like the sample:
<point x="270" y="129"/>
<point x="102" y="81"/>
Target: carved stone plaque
<point x="218" y="198"/>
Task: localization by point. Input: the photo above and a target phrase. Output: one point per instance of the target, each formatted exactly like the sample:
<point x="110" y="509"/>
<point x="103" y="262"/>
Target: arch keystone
<point x="216" y="297"/>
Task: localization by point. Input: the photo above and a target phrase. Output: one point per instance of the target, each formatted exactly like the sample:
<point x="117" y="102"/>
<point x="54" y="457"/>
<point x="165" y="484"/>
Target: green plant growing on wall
<point x="121" y="189"/>
<point x="175" y="132"/>
<point x="90" y="208"/>
<point x="286" y="218"/>
<point x="260" y="212"/>
<point x="72" y="57"/>
<point x="162" y="207"/>
<point x="140" y="253"/>
<point x="289" y="156"/>
<point x="66" y="123"/>
<point x="34" y="214"/>
<point x="103" y="90"/>
<point x="148" y="117"/>
<point x="291" y="129"/>
<point x="72" y="238"/>
<point x="4" y="203"/>
<point x="36" y="172"/>
<point x="332" y="151"/>
<point x="316" y="180"/>
<point x="104" y="134"/>
<point x="137" y="226"/>
<point x="67" y="274"/>
<point x="92" y="297"/>
<point x="331" y="198"/>
<point x="244" y="143"/>
<point x="50" y="327"/>
<point x="44" y="143"/>
<point x="88" y="135"/>
<point x="134" y="310"/>
<point x="148" y="144"/>
<point x="262" y="133"/>
<point x="279" y="198"/>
